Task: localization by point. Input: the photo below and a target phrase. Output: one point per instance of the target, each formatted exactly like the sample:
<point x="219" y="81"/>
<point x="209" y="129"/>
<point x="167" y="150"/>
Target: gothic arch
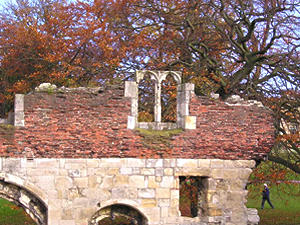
<point x="184" y="93"/>
<point x="118" y="214"/>
<point x="158" y="76"/>
<point x="30" y="202"/>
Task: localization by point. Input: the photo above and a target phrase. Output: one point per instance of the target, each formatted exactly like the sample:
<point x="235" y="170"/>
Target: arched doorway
<point x="118" y="214"/>
<point x="33" y="206"/>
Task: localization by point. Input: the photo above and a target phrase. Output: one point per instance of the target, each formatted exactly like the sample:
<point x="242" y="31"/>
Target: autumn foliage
<point x="250" y="47"/>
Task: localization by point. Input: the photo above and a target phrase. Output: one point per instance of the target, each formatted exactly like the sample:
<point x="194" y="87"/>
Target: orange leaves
<point x="145" y="116"/>
<point x="2" y="98"/>
<point x="270" y="172"/>
<point x="92" y="40"/>
<point x="20" y="86"/>
<point x="56" y="42"/>
<point x="289" y="137"/>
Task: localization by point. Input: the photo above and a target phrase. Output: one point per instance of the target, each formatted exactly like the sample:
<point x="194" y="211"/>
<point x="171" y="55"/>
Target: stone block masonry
<point x="74" y="191"/>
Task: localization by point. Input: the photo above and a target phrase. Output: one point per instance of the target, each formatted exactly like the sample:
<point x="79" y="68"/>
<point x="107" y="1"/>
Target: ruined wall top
<point x="93" y="123"/>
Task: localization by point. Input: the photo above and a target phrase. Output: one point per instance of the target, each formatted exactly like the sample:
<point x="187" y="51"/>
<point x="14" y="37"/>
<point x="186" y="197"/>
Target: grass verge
<point x="284" y="197"/>
<point x="11" y="214"/>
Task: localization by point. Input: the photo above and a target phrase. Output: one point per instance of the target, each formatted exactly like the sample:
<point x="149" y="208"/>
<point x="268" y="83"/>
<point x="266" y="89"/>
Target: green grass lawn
<point x="11" y="214"/>
<point x="284" y="197"/>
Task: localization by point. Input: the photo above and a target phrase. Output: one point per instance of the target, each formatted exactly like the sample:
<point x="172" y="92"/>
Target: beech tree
<point x="249" y="48"/>
<point x="242" y="47"/>
<point x="287" y="148"/>
<point x="55" y="41"/>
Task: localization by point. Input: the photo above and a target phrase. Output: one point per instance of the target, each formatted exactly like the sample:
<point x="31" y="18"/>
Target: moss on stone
<point x="158" y="133"/>
<point x="7" y="127"/>
<point x="157" y="139"/>
<point x="7" y="131"/>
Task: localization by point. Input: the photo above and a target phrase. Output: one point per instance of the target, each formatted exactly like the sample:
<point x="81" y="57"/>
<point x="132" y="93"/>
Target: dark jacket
<point x="266" y="193"/>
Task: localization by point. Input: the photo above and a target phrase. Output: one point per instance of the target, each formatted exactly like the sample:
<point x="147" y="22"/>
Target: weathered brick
<point x="52" y="130"/>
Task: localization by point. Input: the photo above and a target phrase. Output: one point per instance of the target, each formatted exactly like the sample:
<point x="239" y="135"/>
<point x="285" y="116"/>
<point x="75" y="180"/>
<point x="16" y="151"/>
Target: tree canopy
<point x="249" y="48"/>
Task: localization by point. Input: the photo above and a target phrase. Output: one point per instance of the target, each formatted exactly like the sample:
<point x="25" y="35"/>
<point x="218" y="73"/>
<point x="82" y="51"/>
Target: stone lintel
<point x="3" y="121"/>
<point x="158" y="76"/>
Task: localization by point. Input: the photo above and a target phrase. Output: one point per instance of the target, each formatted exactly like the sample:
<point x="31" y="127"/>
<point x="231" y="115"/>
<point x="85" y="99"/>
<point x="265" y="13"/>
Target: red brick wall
<point x="81" y="124"/>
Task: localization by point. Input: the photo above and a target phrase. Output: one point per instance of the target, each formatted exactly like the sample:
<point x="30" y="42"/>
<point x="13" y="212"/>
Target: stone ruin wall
<point x="74" y="190"/>
<point x="72" y="149"/>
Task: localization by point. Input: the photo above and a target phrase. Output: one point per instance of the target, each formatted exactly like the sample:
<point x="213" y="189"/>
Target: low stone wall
<point x="75" y="190"/>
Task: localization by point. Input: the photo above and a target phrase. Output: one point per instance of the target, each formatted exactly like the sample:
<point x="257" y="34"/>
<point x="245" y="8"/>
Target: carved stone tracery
<point x="184" y="91"/>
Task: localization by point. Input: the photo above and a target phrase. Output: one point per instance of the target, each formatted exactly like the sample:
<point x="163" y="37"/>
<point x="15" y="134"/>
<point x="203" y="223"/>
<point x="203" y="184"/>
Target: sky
<point x="3" y="2"/>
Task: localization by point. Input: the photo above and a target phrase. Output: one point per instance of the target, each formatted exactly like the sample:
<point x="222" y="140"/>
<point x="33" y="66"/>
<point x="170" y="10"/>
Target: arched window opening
<point x="159" y="101"/>
<point x="146" y="99"/>
<point x="118" y="214"/>
<point x="169" y="100"/>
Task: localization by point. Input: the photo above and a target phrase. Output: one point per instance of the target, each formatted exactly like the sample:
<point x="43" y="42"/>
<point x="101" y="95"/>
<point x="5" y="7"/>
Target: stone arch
<point x="115" y="212"/>
<point x="158" y="76"/>
<point x="184" y="93"/>
<point x="21" y="196"/>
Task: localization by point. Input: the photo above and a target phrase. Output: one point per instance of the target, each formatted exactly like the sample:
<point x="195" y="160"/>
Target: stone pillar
<point x="184" y="92"/>
<point x="253" y="217"/>
<point x="157" y="107"/>
<point x="19" y="110"/>
<point x="131" y="91"/>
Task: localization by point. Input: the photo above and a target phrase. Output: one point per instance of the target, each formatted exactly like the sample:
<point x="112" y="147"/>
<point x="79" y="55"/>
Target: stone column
<point x="157" y="107"/>
<point x="131" y="91"/>
<point x="19" y="110"/>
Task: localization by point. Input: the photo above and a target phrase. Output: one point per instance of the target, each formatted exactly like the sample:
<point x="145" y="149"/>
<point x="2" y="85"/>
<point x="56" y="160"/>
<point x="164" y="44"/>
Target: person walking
<point x="266" y="196"/>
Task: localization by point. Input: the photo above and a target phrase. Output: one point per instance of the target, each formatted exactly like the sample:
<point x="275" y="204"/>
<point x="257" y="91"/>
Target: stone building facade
<point x="80" y="157"/>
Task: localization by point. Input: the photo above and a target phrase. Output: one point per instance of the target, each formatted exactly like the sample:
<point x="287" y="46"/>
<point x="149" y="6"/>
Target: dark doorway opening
<point x="193" y="196"/>
<point x="118" y="214"/>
